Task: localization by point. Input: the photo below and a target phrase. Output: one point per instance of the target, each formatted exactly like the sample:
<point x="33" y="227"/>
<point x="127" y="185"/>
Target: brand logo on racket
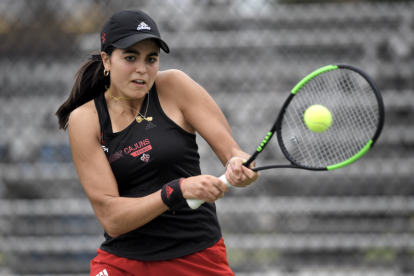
<point x="145" y="157"/>
<point x="294" y="140"/>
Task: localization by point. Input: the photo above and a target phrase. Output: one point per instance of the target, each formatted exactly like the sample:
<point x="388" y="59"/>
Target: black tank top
<point x="143" y="157"/>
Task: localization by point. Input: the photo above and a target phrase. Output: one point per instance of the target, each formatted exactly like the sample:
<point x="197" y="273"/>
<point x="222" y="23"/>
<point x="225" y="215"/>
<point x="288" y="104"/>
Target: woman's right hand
<point x="204" y="187"/>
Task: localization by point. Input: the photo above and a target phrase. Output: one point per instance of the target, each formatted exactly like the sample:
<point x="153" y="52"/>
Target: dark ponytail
<point x="89" y="83"/>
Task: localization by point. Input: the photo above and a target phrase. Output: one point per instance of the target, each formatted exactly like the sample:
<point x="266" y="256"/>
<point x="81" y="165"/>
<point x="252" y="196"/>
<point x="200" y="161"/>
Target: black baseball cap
<point x="128" y="27"/>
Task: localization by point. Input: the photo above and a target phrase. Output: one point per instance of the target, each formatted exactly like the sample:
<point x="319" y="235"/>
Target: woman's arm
<point x="116" y="214"/>
<point x="192" y="108"/>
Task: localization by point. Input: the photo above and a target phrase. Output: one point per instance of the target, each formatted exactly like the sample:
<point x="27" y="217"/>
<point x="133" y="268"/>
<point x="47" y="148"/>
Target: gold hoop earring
<point x="106" y="73"/>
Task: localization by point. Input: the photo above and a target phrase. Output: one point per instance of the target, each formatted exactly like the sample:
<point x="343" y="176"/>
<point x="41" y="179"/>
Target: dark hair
<point x="89" y="83"/>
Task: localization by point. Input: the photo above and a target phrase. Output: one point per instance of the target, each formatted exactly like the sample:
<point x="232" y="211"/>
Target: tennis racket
<point x="357" y="118"/>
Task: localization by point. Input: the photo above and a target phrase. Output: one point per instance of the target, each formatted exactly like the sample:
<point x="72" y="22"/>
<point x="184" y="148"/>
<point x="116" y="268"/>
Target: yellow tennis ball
<point x="317" y="118"/>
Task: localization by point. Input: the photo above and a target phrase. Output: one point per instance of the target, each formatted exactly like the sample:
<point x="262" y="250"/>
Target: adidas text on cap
<point x="128" y="27"/>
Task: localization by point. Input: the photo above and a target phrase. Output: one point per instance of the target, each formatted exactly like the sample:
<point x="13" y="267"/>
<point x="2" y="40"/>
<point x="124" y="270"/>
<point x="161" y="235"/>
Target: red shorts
<point x="208" y="262"/>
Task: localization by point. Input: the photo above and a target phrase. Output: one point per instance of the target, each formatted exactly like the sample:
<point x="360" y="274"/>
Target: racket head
<point x="357" y="110"/>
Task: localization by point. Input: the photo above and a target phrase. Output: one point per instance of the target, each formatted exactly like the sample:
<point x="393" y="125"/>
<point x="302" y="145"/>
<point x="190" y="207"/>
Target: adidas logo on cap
<point x="143" y="26"/>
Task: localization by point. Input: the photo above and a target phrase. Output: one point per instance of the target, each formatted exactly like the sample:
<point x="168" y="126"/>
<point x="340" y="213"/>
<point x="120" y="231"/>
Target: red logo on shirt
<point x="169" y="191"/>
<point x="145" y="157"/>
<point x="115" y="156"/>
<point x="138" y="148"/>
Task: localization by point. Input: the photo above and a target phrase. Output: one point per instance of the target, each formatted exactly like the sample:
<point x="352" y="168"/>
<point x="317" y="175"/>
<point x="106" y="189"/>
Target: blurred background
<point x="247" y="54"/>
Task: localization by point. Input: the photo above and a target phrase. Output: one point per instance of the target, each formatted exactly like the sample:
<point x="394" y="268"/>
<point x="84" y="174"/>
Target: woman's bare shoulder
<point x="172" y="78"/>
<point x="85" y="117"/>
<point x="177" y="84"/>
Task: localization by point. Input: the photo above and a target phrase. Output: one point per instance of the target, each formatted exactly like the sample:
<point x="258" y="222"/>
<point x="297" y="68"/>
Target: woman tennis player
<point x="132" y="133"/>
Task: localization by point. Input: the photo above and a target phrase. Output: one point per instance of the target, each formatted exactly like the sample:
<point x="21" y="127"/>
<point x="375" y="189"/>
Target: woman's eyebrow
<point x="131" y="51"/>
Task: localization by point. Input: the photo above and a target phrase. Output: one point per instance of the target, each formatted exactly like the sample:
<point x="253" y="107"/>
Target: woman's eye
<point x="152" y="60"/>
<point x="130" y="58"/>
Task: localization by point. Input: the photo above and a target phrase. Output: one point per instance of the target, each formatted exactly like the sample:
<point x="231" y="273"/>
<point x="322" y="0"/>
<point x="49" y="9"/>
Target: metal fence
<point x="355" y="221"/>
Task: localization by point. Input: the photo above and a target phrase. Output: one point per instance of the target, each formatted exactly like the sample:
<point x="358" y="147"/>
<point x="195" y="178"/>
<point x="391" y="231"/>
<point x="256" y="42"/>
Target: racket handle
<point x="195" y="203"/>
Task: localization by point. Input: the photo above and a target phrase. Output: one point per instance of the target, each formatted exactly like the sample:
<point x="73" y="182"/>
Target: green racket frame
<point x="277" y="126"/>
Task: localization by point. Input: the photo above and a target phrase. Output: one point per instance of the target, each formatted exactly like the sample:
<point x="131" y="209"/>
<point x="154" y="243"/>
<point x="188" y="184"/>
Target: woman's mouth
<point x="139" y="82"/>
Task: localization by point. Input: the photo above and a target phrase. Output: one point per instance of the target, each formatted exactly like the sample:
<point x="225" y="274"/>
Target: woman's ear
<point x="106" y="61"/>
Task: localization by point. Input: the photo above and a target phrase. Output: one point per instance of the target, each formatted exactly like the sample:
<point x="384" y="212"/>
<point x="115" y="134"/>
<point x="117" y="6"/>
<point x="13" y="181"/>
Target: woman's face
<point x="133" y="70"/>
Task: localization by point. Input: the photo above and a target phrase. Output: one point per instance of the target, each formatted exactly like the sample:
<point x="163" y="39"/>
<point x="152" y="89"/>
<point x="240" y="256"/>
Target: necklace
<point x="140" y="117"/>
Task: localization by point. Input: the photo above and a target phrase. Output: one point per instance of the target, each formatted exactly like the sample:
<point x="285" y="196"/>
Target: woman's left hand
<point x="238" y="175"/>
